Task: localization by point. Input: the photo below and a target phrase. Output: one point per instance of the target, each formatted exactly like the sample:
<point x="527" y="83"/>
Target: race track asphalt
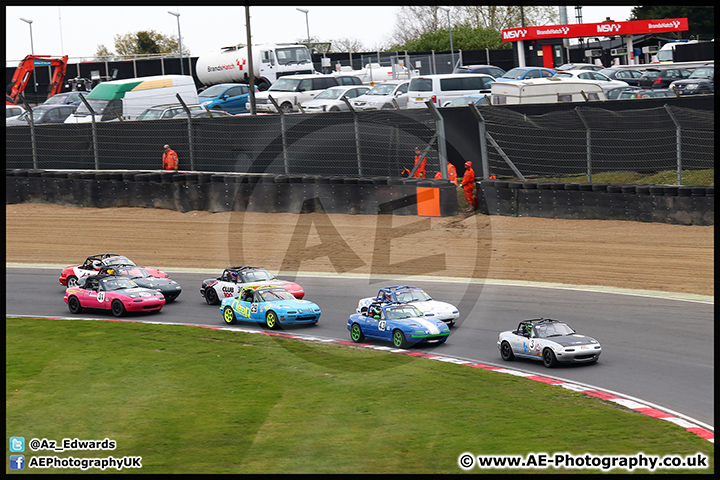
<point x="654" y="349"/>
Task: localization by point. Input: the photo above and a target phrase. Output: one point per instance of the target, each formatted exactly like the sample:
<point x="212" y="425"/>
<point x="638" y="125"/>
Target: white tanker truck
<point x="270" y="61"/>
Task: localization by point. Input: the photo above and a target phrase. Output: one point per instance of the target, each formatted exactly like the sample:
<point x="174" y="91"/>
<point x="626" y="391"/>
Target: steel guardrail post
<point x="588" y="144"/>
<point x="94" y="132"/>
<point x="678" y="142"/>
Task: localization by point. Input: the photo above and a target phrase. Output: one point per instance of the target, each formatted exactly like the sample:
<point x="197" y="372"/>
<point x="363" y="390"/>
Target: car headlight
<point x="692" y="86"/>
<point x="206" y="103"/>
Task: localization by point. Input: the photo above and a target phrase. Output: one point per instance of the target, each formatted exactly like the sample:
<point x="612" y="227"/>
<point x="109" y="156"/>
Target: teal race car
<point x="269" y="305"/>
<point x="402" y="324"/>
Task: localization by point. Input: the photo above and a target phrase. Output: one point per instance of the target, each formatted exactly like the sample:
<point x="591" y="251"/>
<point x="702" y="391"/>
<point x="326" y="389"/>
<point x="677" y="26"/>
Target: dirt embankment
<point x="650" y="256"/>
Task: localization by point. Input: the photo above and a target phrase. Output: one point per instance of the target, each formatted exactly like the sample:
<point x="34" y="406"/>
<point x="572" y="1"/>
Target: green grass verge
<point x="669" y="177"/>
<point x="195" y="400"/>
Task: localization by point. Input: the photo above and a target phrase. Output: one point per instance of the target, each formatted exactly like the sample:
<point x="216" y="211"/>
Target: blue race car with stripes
<point x="402" y="324"/>
<point x="270" y="305"/>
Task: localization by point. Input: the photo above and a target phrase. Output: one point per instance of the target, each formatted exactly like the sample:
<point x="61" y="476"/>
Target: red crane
<point x="28" y="64"/>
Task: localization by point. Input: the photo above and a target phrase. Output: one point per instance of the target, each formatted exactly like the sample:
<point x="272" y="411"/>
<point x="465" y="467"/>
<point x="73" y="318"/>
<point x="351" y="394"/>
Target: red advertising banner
<point x="603" y="29"/>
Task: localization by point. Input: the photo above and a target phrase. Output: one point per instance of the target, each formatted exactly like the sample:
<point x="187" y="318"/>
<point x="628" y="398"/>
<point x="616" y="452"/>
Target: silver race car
<point x="548" y="340"/>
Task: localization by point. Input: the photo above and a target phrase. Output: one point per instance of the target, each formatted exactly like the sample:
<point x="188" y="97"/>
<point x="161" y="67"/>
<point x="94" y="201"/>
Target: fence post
<point x="356" y="121"/>
<point x="33" y="142"/>
<point x="678" y="142"/>
<point x="483" y="141"/>
<point x="588" y="148"/>
<point x="282" y="132"/>
<point x="94" y="132"/>
<point x="440" y="132"/>
<point x="190" y="132"/>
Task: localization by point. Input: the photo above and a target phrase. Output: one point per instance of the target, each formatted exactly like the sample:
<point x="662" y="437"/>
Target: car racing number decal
<point x="381" y="325"/>
<point x="253" y="308"/>
<point x="101" y="297"/>
<point x="240" y="310"/>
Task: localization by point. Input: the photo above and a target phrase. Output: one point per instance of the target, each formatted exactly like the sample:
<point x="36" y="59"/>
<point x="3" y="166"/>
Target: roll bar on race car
<point x="27" y="65"/>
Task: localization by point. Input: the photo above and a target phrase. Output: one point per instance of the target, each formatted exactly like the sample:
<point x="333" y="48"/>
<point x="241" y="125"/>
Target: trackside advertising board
<point x="634" y="27"/>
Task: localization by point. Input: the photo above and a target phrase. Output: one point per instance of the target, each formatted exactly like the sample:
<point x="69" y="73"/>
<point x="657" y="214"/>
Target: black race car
<point x="169" y="288"/>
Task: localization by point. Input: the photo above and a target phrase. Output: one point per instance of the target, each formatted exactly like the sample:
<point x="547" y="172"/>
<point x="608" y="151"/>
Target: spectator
<point x="468" y="183"/>
<point x="420" y="169"/>
<point x="170" y="159"/>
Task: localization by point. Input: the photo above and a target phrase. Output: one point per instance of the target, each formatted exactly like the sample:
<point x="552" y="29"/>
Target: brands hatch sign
<point x="634" y="27"/>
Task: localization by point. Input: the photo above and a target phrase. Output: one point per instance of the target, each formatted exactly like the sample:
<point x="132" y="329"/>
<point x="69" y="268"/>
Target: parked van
<point x="442" y="88"/>
<point x="129" y="97"/>
<point x="545" y="90"/>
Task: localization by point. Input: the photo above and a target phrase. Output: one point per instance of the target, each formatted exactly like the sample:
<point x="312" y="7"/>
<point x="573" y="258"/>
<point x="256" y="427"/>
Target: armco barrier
<point x="682" y="205"/>
<point x="188" y="191"/>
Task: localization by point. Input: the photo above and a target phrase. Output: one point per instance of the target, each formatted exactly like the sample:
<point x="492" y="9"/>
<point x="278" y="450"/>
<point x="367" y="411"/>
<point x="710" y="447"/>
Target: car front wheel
<point x="74" y="305"/>
<point x="506" y="351"/>
<point x="118" y="309"/>
<point x="211" y="296"/>
<point x="399" y="339"/>
<point x="271" y="320"/>
<point x="356" y="334"/>
<point x="549" y="359"/>
<point x="229" y="316"/>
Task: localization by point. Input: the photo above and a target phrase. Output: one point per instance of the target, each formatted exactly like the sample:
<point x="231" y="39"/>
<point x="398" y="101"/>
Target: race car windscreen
<point x="273" y="295"/>
<point x="133" y="272"/>
<point x="117" y="261"/>
<point x="406" y="311"/>
<point x="408" y="296"/>
<point x="117" y="284"/>
<point x="257" y="276"/>
<point x="553" y="330"/>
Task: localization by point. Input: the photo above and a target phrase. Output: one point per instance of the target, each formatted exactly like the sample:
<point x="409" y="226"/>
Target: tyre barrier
<point x="681" y="205"/>
<point x="215" y="192"/>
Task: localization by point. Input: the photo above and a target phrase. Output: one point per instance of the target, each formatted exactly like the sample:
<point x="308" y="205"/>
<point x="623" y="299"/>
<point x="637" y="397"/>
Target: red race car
<point x="70" y="275"/>
<point x="117" y="294"/>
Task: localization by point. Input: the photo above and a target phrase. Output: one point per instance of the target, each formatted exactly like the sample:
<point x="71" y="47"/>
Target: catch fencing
<point x="579" y="143"/>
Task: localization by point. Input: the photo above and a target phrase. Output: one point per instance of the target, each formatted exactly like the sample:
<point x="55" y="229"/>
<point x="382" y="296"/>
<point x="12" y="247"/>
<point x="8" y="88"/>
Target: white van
<point x="129" y="97"/>
<point x="441" y="88"/>
<point x="545" y="90"/>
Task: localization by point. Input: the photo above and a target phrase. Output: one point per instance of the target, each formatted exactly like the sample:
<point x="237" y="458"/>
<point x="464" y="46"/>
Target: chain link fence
<point x="662" y="145"/>
<point x="593" y="144"/>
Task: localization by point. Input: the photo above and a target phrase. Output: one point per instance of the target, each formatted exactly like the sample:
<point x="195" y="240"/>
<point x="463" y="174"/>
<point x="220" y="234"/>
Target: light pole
<point x="307" y="23"/>
<point x="32" y="50"/>
<point x="177" y="15"/>
<point x="452" y="54"/>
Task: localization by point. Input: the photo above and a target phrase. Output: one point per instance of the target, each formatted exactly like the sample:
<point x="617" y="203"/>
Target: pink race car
<point x="117" y="294"/>
<point x="70" y="275"/>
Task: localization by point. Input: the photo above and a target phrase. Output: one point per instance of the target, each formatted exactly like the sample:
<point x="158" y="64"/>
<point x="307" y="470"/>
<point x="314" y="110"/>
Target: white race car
<point x="415" y="296"/>
<point x="550" y="341"/>
<point x="233" y="279"/>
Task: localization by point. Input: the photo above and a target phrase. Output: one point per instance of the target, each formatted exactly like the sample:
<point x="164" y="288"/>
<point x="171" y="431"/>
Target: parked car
<point x="67" y="98"/>
<point x="627" y="75"/>
<point x="525" y="73"/>
<point x="546" y="90"/>
<point x="592" y="76"/>
<point x="444" y="87"/>
<point x="117" y="294"/>
<point x="550" y="341"/>
<point x="381" y="96"/>
<point x="228" y="97"/>
<point x="646" y="93"/>
<point x="44" y="114"/>
<point x="348" y="80"/>
<point x="491" y="70"/>
<point x="163" y="112"/>
<point x="476" y="98"/>
<point x="13" y="111"/>
<point x="330" y="100"/>
<point x="207" y="114"/>
<point x="701" y="81"/>
<point x="579" y="66"/>
<point x="614" y="93"/>
<point x="290" y="90"/>
<point x="658" y="77"/>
